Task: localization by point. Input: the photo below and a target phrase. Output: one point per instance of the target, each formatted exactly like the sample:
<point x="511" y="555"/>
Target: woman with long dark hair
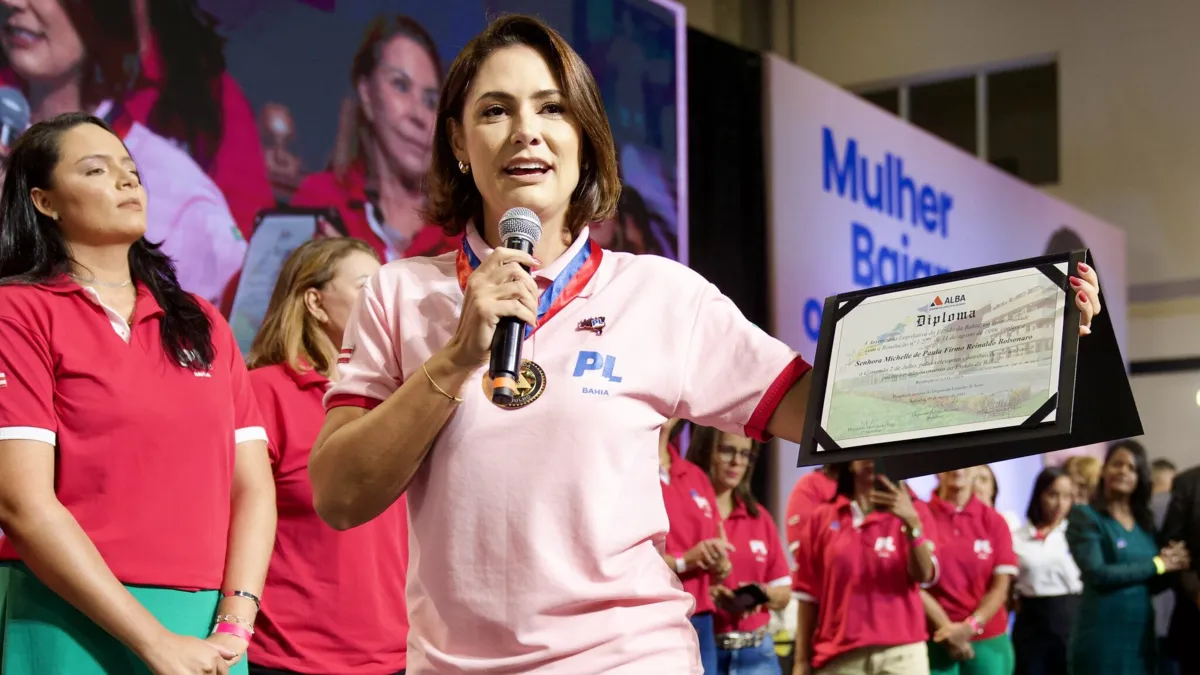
<point x="1047" y="584"/>
<point x="137" y="506"/>
<point x="756" y="555"/>
<point x="1113" y="542"/>
<point x="334" y="601"/>
<point x="376" y="178"/>
<point x="83" y="55"/>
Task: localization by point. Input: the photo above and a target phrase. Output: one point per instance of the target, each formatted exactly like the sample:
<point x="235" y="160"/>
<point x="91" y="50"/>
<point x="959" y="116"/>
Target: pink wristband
<point x="234" y="630"/>
<point x="916" y="543"/>
<point x="973" y="622"/>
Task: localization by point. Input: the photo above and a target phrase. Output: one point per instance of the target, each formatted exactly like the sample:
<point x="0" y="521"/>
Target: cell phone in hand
<point x="750" y="596"/>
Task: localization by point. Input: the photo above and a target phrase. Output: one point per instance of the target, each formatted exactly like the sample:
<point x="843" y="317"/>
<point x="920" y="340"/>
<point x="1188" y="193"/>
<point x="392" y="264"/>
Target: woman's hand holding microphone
<point x="499" y="287"/>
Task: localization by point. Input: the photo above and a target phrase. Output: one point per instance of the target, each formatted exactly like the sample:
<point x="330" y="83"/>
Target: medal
<point x="531" y="382"/>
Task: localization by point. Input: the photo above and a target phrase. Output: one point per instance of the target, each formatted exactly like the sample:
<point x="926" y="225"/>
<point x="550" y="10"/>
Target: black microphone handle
<point x="505" y="365"/>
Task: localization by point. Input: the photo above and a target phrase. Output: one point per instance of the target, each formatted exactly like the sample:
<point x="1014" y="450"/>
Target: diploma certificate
<point x="975" y="355"/>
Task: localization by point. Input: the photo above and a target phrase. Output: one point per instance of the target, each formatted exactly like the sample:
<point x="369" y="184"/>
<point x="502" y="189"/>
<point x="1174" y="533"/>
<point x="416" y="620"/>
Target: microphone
<point x="521" y="229"/>
<point x="14" y="116"/>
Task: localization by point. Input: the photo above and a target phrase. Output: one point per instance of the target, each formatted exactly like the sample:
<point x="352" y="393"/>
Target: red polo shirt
<point x="334" y="601"/>
<point x="349" y="195"/>
<point x="976" y="545"/>
<point x="855" y="569"/>
<point x="145" y="448"/>
<point x="811" y="491"/>
<point x="757" y="558"/>
<point x="692" y="516"/>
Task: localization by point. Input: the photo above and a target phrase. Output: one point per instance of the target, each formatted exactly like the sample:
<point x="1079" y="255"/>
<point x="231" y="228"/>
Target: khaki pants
<point x="910" y="659"/>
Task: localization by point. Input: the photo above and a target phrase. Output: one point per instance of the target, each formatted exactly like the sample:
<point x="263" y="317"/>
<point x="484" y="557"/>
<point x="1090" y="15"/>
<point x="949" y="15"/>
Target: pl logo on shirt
<point x="759" y="549"/>
<point x="702" y="504"/>
<point x="885" y="546"/>
<point x="588" y="363"/>
<point x="983" y="549"/>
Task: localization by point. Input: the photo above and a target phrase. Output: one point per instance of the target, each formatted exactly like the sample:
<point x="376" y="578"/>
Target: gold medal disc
<point x="531" y="382"/>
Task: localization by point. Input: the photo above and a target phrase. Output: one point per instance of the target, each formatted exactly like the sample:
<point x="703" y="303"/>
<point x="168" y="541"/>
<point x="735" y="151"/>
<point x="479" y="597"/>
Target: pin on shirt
<point x="594" y="324"/>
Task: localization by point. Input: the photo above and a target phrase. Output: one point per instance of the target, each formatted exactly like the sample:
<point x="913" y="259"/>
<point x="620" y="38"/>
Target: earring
<point x="464" y="168"/>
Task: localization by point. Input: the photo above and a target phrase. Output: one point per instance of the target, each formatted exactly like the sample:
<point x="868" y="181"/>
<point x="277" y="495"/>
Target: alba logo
<point x="885" y="546"/>
<point x="943" y="301"/>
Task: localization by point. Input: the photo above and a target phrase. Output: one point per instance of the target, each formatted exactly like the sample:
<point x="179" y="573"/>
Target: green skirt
<point x="41" y="634"/>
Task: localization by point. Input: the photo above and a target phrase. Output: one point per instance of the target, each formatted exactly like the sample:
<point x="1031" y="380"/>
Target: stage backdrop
<point x="236" y="109"/>
<point x="843" y="178"/>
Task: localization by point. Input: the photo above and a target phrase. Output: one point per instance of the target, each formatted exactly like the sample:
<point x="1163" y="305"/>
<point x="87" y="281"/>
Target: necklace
<point x="104" y="284"/>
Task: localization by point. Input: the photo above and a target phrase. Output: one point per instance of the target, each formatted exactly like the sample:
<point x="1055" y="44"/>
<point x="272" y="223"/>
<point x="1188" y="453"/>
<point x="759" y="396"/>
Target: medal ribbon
<point x="567" y="286"/>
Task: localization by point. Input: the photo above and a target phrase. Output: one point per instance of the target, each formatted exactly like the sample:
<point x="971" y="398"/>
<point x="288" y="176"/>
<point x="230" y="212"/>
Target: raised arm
<point x="788" y="420"/>
<point x="371" y="446"/>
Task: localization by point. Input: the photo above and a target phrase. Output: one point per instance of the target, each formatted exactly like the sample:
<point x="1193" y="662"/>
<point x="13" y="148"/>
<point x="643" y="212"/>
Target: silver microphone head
<point x="14" y="114"/>
<point x="521" y="222"/>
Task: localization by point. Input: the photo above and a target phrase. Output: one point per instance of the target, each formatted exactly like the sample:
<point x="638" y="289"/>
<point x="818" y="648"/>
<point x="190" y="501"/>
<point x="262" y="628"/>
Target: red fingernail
<point x="1075" y="282"/>
<point x="1084" y="268"/>
<point x="1082" y="296"/>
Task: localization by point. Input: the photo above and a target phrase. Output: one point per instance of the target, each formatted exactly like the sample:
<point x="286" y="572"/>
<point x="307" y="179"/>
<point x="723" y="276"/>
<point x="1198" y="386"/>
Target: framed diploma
<point x="954" y="370"/>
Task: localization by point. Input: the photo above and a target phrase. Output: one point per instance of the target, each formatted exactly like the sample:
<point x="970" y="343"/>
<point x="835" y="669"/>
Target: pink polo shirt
<point x="535" y="532"/>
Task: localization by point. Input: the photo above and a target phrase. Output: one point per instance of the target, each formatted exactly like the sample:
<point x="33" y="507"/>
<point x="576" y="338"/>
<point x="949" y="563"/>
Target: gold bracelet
<point x="1160" y="567"/>
<point x="441" y="391"/>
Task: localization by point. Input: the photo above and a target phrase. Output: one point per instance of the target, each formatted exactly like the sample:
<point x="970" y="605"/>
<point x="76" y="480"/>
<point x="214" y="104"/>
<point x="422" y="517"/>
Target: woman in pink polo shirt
<point x="966" y="608"/>
<point x="743" y="645"/>
<point x="537" y="525"/>
<point x="696" y="548"/>
<point x="860" y="564"/>
<point x="379" y="165"/>
<point x="138" y="507"/>
<point x="334" y="601"/>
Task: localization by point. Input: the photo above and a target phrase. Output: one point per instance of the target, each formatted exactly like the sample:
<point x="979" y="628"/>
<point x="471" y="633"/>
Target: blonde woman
<point x="1084" y="471"/>
<point x="334" y="601"/>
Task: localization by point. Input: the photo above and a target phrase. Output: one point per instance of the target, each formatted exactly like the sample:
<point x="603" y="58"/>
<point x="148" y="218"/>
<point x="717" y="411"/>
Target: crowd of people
<point x="352" y="502"/>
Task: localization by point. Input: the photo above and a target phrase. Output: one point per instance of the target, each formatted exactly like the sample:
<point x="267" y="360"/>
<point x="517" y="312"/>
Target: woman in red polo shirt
<point x="756" y="556"/>
<point x="696" y="546"/>
<point x="380" y="163"/>
<point x="137" y="506"/>
<point x="334" y="600"/>
<point x="860" y="565"/>
<point x="966" y="608"/>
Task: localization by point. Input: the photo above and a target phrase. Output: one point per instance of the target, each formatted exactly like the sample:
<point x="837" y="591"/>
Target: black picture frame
<point x="921" y="456"/>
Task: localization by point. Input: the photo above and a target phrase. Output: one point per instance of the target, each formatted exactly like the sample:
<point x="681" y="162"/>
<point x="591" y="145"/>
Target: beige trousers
<point x="910" y="659"/>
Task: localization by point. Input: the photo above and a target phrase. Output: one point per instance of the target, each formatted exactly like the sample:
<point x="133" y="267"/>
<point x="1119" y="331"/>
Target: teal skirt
<point x="41" y="634"/>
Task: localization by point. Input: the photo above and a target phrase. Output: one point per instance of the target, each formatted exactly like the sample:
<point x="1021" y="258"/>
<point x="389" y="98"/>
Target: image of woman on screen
<point x="184" y="93"/>
<point x="379" y="163"/>
<point x="65" y="57"/>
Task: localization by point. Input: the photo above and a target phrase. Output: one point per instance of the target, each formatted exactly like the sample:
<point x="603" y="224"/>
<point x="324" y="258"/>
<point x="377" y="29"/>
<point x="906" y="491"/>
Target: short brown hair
<point x="453" y="198"/>
<point x="290" y="333"/>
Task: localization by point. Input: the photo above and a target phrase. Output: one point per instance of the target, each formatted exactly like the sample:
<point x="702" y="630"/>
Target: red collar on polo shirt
<point x="973" y="507"/>
<point x="307" y="376"/>
<point x="147" y="306"/>
<point x="678" y="468"/>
